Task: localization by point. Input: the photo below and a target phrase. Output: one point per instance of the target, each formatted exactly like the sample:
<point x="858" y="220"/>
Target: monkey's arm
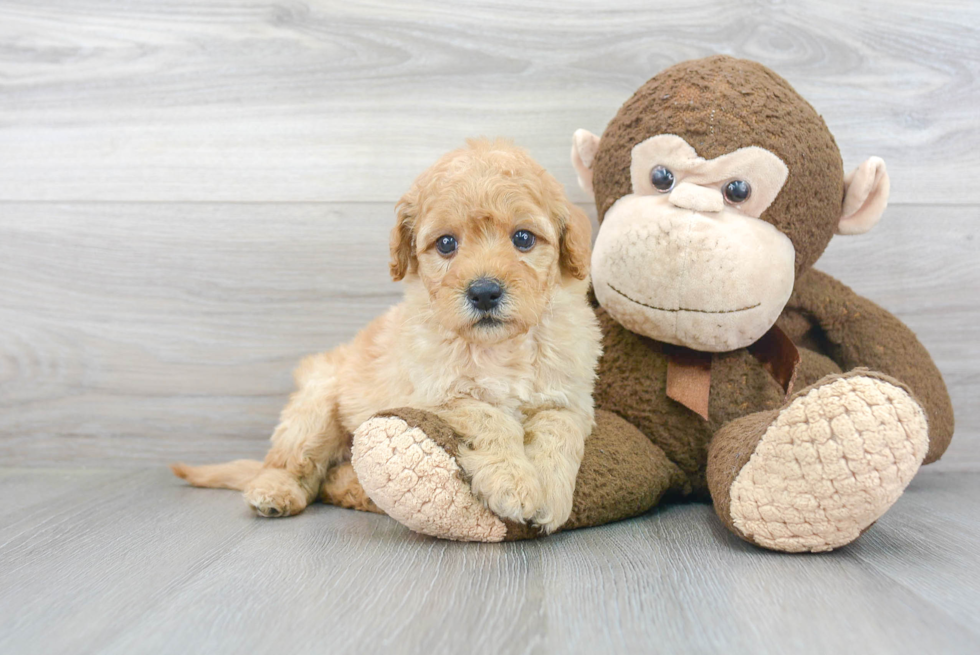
<point x="856" y="332"/>
<point x="622" y="474"/>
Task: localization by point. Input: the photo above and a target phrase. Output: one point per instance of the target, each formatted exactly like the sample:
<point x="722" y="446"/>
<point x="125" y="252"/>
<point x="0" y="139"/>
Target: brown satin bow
<point x="689" y="371"/>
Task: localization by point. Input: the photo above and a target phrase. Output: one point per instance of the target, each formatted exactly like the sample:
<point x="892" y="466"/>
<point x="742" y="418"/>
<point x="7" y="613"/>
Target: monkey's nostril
<point x="484" y="294"/>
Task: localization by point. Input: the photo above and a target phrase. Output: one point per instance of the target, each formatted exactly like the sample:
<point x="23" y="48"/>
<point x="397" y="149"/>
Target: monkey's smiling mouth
<point x="683" y="309"/>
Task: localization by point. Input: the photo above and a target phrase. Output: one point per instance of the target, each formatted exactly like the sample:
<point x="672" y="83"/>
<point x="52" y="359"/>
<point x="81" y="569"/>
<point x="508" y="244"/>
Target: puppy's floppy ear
<point x="402" y="240"/>
<point x="576" y="243"/>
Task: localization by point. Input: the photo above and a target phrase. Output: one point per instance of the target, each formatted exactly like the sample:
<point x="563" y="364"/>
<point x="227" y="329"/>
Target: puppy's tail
<point x="231" y="475"/>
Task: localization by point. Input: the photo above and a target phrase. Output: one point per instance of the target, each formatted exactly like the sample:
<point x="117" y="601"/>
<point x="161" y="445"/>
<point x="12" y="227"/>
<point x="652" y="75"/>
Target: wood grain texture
<point x="336" y="101"/>
<point x="136" y="562"/>
<point x="196" y="193"/>
<point x="131" y="327"/>
<point x="143" y="333"/>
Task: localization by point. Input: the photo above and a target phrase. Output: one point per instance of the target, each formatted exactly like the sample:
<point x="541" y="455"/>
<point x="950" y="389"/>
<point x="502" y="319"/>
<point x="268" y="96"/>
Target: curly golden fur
<point x="516" y="382"/>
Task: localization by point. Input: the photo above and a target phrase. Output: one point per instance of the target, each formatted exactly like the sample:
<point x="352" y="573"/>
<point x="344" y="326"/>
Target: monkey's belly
<point x="633" y="382"/>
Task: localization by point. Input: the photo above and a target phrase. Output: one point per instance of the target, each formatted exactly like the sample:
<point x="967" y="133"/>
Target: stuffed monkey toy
<point x="732" y="371"/>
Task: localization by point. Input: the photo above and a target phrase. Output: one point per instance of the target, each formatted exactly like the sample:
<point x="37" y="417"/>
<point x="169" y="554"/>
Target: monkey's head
<point x="717" y="185"/>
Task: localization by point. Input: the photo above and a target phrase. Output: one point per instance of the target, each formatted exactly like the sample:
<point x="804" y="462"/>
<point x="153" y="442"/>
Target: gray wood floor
<point x="131" y="561"/>
<point x="196" y="193"/>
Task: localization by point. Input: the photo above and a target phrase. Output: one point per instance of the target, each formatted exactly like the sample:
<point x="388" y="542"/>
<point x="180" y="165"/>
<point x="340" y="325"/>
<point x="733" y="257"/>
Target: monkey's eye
<point x="737" y="191"/>
<point x="446" y="244"/>
<point x="662" y="179"/>
<point x="523" y="240"/>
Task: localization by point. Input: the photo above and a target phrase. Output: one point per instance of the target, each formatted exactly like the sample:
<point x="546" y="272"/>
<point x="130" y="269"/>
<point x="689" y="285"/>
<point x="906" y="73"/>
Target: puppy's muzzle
<point x="484" y="294"/>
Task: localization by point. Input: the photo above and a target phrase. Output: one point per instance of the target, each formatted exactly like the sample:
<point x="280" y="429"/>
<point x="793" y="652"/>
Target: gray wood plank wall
<point x="195" y="193"/>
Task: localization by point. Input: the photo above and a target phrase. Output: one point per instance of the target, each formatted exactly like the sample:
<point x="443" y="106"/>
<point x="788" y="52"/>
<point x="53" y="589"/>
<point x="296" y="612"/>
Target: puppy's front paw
<point x="509" y="488"/>
<point x="556" y="507"/>
<point x="557" y="474"/>
<point x="275" y="493"/>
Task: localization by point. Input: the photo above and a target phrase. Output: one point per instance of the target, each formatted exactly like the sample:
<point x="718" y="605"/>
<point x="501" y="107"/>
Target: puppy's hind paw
<point x="553" y="513"/>
<point x="275" y="493"/>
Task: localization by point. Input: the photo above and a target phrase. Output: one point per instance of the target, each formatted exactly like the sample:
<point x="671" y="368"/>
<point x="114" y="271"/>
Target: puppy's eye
<point x="523" y="240"/>
<point x="662" y="179"/>
<point x="446" y="244"/>
<point x="737" y="191"/>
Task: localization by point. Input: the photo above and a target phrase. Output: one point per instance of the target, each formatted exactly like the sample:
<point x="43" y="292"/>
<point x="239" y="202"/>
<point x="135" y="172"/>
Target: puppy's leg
<point x="493" y="456"/>
<point x="555" y="449"/>
<point x="307" y="441"/>
<point x="342" y="488"/>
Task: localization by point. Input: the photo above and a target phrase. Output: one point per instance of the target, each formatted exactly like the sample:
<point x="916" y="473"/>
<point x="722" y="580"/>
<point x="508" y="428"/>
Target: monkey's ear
<point x="584" y="146"/>
<point x="865" y="197"/>
<point x="576" y="243"/>
<point x="402" y="236"/>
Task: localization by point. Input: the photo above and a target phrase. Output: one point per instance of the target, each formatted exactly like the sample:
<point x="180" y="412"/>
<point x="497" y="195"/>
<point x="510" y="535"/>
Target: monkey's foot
<point x="415" y="479"/>
<point x="829" y="464"/>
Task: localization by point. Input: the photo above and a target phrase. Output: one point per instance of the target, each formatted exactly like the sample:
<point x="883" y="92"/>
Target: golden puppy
<point x="495" y="336"/>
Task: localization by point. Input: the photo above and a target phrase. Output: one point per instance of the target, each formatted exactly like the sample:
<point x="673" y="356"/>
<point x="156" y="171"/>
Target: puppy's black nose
<point x="484" y="294"/>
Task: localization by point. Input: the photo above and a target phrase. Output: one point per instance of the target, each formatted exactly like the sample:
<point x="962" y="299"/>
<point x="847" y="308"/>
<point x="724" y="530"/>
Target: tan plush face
<point x="685" y="258"/>
<point x="490" y="236"/>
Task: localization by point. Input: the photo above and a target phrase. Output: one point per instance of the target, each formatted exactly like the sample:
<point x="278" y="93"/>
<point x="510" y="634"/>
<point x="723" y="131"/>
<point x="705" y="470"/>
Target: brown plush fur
<point x="856" y="332"/>
<point x="822" y="313"/>
<point x="717" y="105"/>
<point x="633" y="376"/>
